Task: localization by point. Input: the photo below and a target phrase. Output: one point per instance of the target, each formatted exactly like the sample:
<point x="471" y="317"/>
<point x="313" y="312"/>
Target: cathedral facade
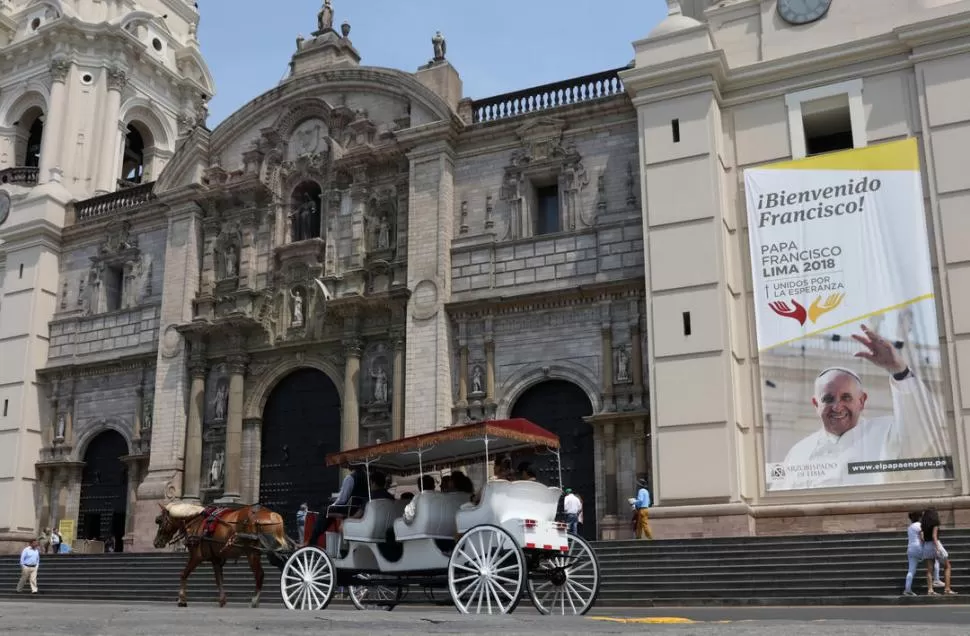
<point x="363" y="253"/>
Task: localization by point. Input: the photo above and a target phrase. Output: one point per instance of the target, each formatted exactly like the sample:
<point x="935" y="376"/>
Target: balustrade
<point x="20" y="175"/>
<point x="105" y="204"/>
<point x="564" y="93"/>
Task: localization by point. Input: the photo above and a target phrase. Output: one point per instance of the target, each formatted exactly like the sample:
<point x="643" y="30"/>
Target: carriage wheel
<point x="375" y="597"/>
<point x="308" y="579"/>
<point x="566" y="584"/>
<point x="486" y="572"/>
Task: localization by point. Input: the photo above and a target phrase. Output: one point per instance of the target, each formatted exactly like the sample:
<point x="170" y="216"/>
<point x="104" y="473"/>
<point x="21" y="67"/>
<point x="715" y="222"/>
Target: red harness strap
<point x="212" y="520"/>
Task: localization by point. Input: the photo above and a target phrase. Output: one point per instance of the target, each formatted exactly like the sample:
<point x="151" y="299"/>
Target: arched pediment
<point x="189" y="163"/>
<point x="139" y="109"/>
<point x="137" y="17"/>
<point x="190" y="59"/>
<point x="398" y="90"/>
<point x="16" y="105"/>
<point x="62" y="9"/>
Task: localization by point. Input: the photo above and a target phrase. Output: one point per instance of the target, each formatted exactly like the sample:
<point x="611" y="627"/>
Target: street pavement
<point x="32" y="618"/>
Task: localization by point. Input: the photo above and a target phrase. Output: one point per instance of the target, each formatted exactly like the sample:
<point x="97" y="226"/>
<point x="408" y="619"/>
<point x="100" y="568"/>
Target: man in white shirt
<point x="29" y="562"/>
<point x="572" y="506"/>
<point x="851" y="450"/>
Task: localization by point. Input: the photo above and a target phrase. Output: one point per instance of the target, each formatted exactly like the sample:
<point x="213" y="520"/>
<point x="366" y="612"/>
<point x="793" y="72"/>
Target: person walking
<point x="301" y="522"/>
<point x="914" y="553"/>
<point x="933" y="551"/>
<point x="29" y="562"/>
<point x="641" y="505"/>
<point x="572" y="506"/>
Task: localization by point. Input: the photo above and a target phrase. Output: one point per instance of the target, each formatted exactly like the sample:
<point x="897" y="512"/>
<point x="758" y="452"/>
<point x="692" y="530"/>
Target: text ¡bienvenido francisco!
<point x="817" y="196"/>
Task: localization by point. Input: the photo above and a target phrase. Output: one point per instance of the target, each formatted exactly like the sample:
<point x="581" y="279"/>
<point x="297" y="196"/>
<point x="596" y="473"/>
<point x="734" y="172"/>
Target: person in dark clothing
<point x="378" y="486"/>
<point x="351" y="499"/>
<point x="934" y="551"/>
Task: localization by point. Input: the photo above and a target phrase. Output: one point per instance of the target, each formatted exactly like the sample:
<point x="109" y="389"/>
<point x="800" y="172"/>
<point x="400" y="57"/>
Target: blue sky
<point x="497" y="45"/>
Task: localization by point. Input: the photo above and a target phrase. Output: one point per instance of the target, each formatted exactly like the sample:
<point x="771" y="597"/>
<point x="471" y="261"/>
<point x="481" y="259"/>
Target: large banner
<point x="851" y="376"/>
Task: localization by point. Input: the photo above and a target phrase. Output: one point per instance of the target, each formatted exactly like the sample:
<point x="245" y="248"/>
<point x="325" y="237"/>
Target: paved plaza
<point x="37" y="618"/>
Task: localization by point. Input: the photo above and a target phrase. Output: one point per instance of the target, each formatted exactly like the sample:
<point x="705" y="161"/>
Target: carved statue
<point x="231" y="261"/>
<point x="147" y="413"/>
<point x="380" y="384"/>
<point x="383" y="234"/>
<point x="61" y="427"/>
<point x="622" y="366"/>
<point x="303" y="219"/>
<point x="220" y="402"/>
<point x="216" y="470"/>
<point x="297" y="296"/>
<point x="477" y="380"/>
<point x="325" y="17"/>
<point x="440" y="47"/>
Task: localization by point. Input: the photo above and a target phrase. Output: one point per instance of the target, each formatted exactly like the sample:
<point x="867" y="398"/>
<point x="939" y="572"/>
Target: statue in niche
<point x="220" y="402"/>
<point x="383" y="234"/>
<point x="216" y="470"/>
<point x="147" y="413"/>
<point x="230" y="260"/>
<point x="61" y="427"/>
<point x="622" y="365"/>
<point x="303" y="218"/>
<point x="380" y="383"/>
<point x="477" y="380"/>
<point x="297" y="297"/>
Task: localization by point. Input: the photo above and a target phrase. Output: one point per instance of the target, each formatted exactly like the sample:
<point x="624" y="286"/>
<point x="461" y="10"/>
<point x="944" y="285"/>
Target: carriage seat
<point x="504" y="501"/>
<point x="434" y="516"/>
<point x="372" y="527"/>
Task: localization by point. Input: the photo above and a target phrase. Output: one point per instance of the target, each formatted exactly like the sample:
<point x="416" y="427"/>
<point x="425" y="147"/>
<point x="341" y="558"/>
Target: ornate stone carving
<point x="118" y="238"/>
<point x="117" y="79"/>
<point x="296" y="313"/>
<point x="217" y="471"/>
<point x="220" y="401"/>
<point x="227" y="253"/>
<point x="325" y="18"/>
<point x="60" y="67"/>
<point x="622" y="370"/>
<point x="478" y="380"/>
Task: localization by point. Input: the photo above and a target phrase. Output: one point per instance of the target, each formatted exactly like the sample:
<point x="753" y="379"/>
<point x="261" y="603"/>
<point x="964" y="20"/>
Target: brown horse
<point x="217" y="535"/>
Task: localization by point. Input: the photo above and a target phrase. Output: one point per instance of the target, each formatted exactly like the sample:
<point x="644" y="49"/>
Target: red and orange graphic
<point x="816" y="310"/>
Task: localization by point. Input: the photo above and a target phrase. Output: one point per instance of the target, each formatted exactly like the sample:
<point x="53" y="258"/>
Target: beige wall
<point x="696" y="249"/>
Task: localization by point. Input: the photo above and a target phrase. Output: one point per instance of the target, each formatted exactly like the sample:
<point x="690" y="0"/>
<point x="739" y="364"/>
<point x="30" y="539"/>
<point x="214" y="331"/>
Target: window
<point x="675" y="130"/>
<point x="133" y="163"/>
<point x="6" y="405"/>
<point x="112" y="281"/>
<point x="686" y="318"/>
<point x="547" y="210"/>
<point x="826" y="119"/>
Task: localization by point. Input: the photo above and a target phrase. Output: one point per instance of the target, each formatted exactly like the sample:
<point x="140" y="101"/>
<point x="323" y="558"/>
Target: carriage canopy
<point x="452" y="446"/>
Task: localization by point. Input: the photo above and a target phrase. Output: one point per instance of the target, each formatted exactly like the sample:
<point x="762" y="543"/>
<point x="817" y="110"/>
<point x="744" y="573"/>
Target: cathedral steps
<point x="801" y="570"/>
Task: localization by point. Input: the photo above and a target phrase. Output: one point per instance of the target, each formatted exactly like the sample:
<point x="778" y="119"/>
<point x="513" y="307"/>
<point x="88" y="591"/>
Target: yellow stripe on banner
<point x="850" y="321"/>
<point x="652" y="620"/>
<point x="893" y="155"/>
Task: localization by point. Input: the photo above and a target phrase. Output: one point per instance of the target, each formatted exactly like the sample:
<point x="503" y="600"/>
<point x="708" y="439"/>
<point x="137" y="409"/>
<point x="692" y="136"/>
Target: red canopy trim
<point x="516" y="430"/>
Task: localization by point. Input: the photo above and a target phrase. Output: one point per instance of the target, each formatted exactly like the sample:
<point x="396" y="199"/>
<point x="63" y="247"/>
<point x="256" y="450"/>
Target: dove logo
<point x="797" y="311"/>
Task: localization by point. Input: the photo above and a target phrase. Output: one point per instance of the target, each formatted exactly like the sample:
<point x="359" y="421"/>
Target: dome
<point x="672" y="24"/>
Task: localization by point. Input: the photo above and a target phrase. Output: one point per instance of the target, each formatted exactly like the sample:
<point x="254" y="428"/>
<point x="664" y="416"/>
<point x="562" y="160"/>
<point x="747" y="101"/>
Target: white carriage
<point x="486" y="555"/>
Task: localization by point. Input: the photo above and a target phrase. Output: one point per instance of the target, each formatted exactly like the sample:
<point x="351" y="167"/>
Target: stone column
<point x="50" y="145"/>
<point x="139" y="412"/>
<point x="606" y="329"/>
<point x="46" y="483"/>
<point x="107" y="178"/>
<point x="462" y="373"/>
<point x="350" y="424"/>
<point x="397" y="398"/>
<point x="609" y="455"/>
<point x="640" y="447"/>
<point x="637" y="361"/>
<point x="69" y="418"/>
<point x="134" y="478"/>
<point x="251" y="446"/>
<point x="191" y="479"/>
<point x="50" y="438"/>
<point x="233" y="470"/>
<point x="490" y="370"/>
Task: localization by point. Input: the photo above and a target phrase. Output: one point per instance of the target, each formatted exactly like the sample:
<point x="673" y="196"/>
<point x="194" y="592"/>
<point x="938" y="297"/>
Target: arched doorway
<point x="301" y="424"/>
<point x="104" y="489"/>
<point x="559" y="407"/>
<point x="137" y="140"/>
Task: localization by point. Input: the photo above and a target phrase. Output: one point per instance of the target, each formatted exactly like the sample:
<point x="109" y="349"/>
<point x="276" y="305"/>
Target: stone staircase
<point x="789" y="570"/>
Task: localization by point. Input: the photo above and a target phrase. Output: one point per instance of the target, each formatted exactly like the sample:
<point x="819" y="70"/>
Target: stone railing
<point x="531" y="100"/>
<point x="105" y="204"/>
<point x="20" y="175"/>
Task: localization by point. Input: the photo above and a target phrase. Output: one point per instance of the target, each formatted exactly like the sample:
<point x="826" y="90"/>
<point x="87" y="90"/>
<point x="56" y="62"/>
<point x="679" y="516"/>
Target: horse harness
<point x="211" y="518"/>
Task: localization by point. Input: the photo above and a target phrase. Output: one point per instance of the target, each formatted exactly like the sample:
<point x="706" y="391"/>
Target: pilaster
<point x="350" y="415"/>
<point x="236" y="363"/>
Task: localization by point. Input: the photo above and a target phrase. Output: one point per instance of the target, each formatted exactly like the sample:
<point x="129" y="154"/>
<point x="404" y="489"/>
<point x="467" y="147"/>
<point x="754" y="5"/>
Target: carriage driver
<point x="352" y="497"/>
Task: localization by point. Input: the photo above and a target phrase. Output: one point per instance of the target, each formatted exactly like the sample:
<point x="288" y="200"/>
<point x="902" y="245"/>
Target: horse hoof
<point x="222" y="602"/>
<point x="183" y="604"/>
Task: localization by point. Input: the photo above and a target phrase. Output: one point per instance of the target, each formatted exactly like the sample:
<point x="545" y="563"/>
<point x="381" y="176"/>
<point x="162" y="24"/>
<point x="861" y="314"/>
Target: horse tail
<point x="273" y="540"/>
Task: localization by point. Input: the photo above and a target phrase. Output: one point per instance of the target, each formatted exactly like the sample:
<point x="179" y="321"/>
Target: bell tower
<point x="94" y="97"/>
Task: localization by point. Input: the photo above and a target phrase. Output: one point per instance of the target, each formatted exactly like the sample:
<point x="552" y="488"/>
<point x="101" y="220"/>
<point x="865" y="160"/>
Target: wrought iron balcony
<point x="539" y="98"/>
<point x="112" y="202"/>
<point x="20" y="175"/>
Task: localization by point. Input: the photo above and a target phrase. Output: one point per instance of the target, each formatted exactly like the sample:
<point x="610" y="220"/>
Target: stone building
<point x="363" y="253"/>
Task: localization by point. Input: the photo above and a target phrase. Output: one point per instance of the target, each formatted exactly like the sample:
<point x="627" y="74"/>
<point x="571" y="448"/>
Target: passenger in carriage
<point x="501" y="471"/>
<point x="350" y="502"/>
<point x="378" y="486"/>
<point x="526" y="473"/>
<point x="462" y="483"/>
<point x="427" y="485"/>
<point x="447" y="483"/>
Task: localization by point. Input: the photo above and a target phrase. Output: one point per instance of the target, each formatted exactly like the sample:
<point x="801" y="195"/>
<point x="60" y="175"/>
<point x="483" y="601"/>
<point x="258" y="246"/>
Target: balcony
<point x="20" y="175"/>
<point x="588" y="88"/>
<point x="106" y="204"/>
